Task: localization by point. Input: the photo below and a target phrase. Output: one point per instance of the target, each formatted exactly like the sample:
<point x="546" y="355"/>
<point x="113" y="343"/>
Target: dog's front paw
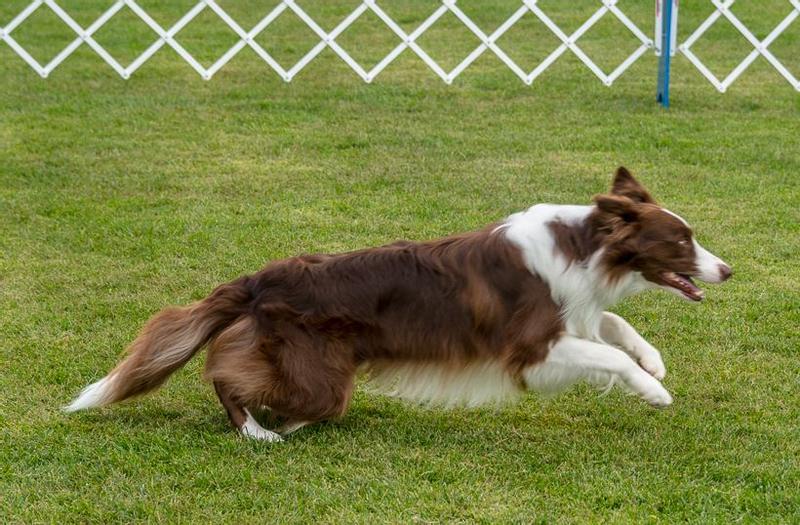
<point x="650" y="389"/>
<point x="653" y="365"/>
<point x="261" y="434"/>
<point x="658" y="398"/>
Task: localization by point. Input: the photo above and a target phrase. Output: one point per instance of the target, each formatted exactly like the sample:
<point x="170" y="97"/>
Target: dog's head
<point x="644" y="237"/>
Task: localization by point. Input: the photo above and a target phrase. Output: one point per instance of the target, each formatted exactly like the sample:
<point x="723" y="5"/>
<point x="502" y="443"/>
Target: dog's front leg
<point x="616" y="331"/>
<point x="571" y="359"/>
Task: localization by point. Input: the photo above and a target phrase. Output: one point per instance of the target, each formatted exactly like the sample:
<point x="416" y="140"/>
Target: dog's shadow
<point x="376" y="418"/>
<point x="398" y="420"/>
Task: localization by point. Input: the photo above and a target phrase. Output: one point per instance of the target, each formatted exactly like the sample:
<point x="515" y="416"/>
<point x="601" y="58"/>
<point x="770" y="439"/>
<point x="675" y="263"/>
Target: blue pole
<point x="662" y="96"/>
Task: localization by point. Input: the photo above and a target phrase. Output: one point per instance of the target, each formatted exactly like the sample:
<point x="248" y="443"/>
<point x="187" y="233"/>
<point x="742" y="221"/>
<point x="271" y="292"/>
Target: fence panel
<point x="724" y="14"/>
<point x="569" y="42"/>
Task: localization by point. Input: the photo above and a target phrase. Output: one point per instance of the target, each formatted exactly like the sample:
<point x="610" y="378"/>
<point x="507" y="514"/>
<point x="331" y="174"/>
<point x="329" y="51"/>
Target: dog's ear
<point x="625" y="185"/>
<point x="615" y="206"/>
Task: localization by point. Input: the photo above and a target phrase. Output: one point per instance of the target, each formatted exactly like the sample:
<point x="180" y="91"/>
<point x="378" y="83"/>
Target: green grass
<point x="120" y="197"/>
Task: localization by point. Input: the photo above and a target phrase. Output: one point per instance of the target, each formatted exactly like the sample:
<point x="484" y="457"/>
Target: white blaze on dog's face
<point x="710" y="268"/>
<point x="656" y="242"/>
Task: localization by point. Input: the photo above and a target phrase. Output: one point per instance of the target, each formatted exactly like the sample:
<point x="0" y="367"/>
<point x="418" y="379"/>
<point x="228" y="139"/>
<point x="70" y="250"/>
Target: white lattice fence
<point x="408" y="40"/>
<point x="760" y="47"/>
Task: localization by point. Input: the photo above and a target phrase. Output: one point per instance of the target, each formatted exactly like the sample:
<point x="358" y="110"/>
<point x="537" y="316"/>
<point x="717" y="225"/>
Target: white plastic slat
<point x="760" y="47"/>
<point x="486" y="40"/>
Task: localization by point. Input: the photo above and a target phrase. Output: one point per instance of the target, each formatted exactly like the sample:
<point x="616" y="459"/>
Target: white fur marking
<point x="676" y="216"/>
<point x="572" y="359"/>
<point x="581" y="290"/>
<point x="553" y="378"/>
<point x="471" y="385"/>
<point x="617" y="331"/>
<point x="708" y="264"/>
<point x="94" y="395"/>
<point x="252" y="429"/>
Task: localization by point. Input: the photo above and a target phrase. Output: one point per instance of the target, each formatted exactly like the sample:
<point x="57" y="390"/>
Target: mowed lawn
<point x="118" y="198"/>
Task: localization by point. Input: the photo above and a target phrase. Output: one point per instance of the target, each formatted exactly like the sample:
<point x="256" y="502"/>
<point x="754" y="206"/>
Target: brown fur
<point x="292" y="336"/>
<point x="625" y="185"/>
<point x="635" y="233"/>
<point x="171" y="338"/>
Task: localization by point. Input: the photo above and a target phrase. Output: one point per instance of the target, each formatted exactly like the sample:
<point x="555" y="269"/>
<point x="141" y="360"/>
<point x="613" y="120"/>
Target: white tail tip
<point x="94" y="395"/>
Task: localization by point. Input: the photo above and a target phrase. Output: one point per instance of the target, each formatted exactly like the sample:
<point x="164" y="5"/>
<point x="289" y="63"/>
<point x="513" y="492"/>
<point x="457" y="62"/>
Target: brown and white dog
<point x="469" y="319"/>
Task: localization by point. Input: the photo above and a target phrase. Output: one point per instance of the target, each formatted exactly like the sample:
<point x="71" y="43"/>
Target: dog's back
<point x="418" y="317"/>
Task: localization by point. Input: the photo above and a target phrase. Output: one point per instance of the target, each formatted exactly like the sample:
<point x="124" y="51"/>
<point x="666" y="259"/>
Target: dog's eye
<point x="683" y="242"/>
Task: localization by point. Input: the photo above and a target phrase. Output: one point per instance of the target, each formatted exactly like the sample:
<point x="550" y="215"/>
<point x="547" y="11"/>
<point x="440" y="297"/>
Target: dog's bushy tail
<point x="167" y="342"/>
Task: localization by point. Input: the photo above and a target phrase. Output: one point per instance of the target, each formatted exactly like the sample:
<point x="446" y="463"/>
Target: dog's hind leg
<point x="616" y="331"/>
<point x="240" y="374"/>
<point x="299" y="374"/>
<point x="291" y="426"/>
<point x="241" y="418"/>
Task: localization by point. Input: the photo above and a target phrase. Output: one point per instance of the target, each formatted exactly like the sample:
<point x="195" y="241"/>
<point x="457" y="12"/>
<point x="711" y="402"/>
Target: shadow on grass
<point x="381" y="421"/>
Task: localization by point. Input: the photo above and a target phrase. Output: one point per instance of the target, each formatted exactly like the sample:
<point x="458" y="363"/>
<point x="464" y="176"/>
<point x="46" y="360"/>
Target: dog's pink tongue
<point x="691" y="290"/>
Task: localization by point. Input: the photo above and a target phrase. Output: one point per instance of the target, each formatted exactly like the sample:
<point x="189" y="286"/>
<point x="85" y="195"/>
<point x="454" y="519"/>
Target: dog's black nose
<point x="725" y="272"/>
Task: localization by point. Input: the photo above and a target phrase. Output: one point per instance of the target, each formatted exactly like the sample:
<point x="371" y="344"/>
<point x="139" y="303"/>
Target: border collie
<point x="465" y="320"/>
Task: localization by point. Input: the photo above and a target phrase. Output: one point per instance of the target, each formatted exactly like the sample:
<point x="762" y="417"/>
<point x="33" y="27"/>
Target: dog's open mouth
<point x="684" y="284"/>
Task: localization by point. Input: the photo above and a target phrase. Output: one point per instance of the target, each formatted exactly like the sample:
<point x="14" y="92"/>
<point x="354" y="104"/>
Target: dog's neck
<point x="564" y="245"/>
